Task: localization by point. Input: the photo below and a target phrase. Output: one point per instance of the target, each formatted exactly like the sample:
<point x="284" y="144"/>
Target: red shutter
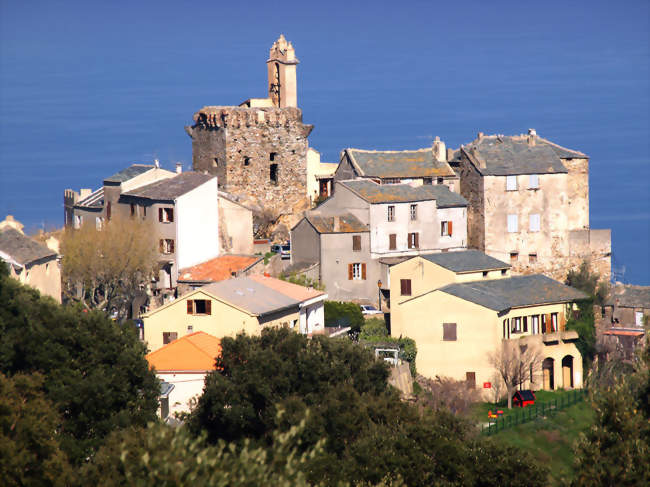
<point x="449" y="227"/>
<point x="208" y="307"/>
<point x="363" y="271"/>
<point x="160" y="214"/>
<point x="350" y="272"/>
<point x="417" y="240"/>
<point x="190" y="308"/>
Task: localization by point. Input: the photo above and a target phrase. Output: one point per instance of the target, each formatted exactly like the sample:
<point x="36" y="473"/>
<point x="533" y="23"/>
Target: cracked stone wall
<point x="259" y="153"/>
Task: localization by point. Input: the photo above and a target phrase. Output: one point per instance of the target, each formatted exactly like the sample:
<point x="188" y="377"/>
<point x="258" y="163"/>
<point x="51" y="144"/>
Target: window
<point x="504" y="271"/>
<point x="470" y="380"/>
<point x="405" y="287"/>
<point x="166" y="215"/>
<point x="199" y="307"/>
<point x="485" y="273"/>
<point x="247" y="161"/>
<point x="357" y="272"/>
<point x="273" y="174"/>
<point x="108" y="210"/>
<point x="554" y="321"/>
<point x="511" y="183"/>
<point x="391" y="181"/>
<point x="534" y="222"/>
<point x="525" y="323"/>
<point x="446" y="229"/>
<point x="532" y="258"/>
<point x="169" y="336"/>
<point x="414" y="212"/>
<point x="513" y="225"/>
<point x="78" y="221"/>
<point x="392" y="241"/>
<point x="638" y="318"/>
<point x="98" y="223"/>
<point x="166" y="246"/>
<point x="144" y="211"/>
<point x="414" y="240"/>
<point x="440" y="181"/>
<point x="356" y="243"/>
<point x="272" y="156"/>
<point x="391" y="213"/>
<point x="514" y="256"/>
<point x="533" y="181"/>
<point x="190" y="329"/>
<point x="427" y="181"/>
<point x="516" y="325"/>
<point x="215" y="162"/>
<point x="449" y="332"/>
<point x="534" y="324"/>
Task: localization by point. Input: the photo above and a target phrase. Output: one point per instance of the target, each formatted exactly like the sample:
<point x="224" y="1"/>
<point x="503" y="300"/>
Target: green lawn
<point x="549" y="440"/>
<point x="480" y="410"/>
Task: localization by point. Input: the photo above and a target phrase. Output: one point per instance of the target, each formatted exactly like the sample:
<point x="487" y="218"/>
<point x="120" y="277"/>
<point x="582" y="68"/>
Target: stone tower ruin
<point x="258" y="150"/>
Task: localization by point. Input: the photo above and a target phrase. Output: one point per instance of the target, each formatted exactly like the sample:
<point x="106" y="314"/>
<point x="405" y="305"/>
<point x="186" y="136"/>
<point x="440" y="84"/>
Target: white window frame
<point x="534" y="222"/>
<point x="445" y="228"/>
<point x="513" y="224"/>
<point x="534" y="324"/>
<point x="414" y="212"/>
<point x="390" y="213"/>
<point x="99" y="223"/>
<point x="511" y="183"/>
<point x="638" y="318"/>
<point x="356" y="271"/>
<point x="533" y="181"/>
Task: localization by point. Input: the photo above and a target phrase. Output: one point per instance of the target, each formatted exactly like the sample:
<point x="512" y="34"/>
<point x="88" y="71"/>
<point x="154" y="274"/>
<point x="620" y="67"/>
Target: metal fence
<point x="530" y="413"/>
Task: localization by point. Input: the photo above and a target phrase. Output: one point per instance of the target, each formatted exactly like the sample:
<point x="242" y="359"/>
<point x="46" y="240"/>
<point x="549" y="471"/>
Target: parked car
<point x="285" y="251"/>
<point x="367" y="309"/>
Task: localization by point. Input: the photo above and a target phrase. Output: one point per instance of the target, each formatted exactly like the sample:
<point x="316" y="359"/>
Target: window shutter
<point x="190" y="308"/>
<point x="171" y="246"/>
<point x="161" y="247"/>
<point x="392" y="241"/>
<point x="208" y="307"/>
<point x="171" y="214"/>
<point x="160" y="214"/>
<point x="417" y="240"/>
<point x="356" y="242"/>
<point x="363" y="271"/>
<point x="449" y="227"/>
<point x="402" y="285"/>
<point x="449" y="332"/>
<point x="350" y="272"/>
<point x="512" y="223"/>
<point x="173" y="335"/>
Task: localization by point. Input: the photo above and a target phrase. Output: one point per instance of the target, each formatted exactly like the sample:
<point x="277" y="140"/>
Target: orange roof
<point x="217" y="269"/>
<point x="632" y="333"/>
<point x="192" y="353"/>
<point x="295" y="291"/>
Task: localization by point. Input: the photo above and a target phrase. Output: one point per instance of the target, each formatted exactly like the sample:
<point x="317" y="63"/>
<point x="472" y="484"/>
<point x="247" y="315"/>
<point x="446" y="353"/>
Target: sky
<point x="87" y="88"/>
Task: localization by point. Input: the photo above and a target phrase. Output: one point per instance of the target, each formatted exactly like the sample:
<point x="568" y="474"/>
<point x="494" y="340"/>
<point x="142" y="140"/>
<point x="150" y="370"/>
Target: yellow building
<point x="460" y="307"/>
<point x="243" y="304"/>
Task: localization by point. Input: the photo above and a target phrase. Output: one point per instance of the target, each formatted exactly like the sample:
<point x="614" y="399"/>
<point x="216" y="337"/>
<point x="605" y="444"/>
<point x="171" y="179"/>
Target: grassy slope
<point x="549" y="440"/>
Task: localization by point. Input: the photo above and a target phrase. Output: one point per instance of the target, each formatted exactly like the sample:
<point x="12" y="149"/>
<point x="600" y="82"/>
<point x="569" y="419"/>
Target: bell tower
<point x="282" y="63"/>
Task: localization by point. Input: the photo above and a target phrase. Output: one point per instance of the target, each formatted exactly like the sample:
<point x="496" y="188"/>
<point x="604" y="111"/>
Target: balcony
<point x="549" y="339"/>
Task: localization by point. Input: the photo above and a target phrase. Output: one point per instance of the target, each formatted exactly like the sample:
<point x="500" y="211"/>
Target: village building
<point x="625" y="317"/>
<point x="259" y="149"/>
<point x="529" y="204"/>
<point x="218" y="269"/>
<point x="365" y="227"/>
<point x="30" y="262"/>
<point x="414" y="167"/>
<point x="242" y="304"/>
<point x="182" y="366"/>
<point x="459" y="307"/>
<point x="235" y="226"/>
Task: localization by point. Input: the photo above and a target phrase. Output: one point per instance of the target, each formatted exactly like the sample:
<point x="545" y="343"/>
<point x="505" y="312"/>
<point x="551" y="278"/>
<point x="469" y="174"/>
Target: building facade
<point x="529" y="204"/>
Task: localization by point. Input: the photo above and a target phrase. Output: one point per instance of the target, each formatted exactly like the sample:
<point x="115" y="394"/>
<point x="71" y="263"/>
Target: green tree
<point x="615" y="450"/>
<point x="95" y="371"/>
<point x="29" y="435"/>
<point x="374" y="331"/>
<point x="588" y="282"/>
<point x="339" y="313"/>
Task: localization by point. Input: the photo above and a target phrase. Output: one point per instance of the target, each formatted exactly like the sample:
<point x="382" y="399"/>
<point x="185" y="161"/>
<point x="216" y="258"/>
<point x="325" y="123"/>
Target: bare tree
<point x="497" y="387"/>
<point x="445" y="392"/>
<point x="515" y="363"/>
<point x="105" y="269"/>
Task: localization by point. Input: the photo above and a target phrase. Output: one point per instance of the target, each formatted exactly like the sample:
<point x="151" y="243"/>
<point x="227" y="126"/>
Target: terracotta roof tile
<point x="299" y="293"/>
<point x="195" y="352"/>
<point x="217" y="269"/>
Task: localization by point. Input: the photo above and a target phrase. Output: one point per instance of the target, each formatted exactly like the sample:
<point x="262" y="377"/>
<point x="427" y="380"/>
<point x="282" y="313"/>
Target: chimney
<point x="439" y="151"/>
<point x="532" y="135"/>
<point x="156" y="163"/>
<point x="479" y="136"/>
<point x="179" y="168"/>
<point x="337" y="224"/>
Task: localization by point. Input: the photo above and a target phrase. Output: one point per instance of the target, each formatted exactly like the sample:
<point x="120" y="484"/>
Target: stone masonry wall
<point x="246" y="142"/>
<point x="471" y="188"/>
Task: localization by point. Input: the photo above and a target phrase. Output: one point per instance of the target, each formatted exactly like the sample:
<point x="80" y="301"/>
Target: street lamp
<point x="379" y="290"/>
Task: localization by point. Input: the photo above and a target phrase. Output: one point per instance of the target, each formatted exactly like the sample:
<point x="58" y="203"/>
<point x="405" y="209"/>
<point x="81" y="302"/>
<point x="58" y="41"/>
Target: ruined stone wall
<point x="247" y="142"/>
<point x="471" y="188"/>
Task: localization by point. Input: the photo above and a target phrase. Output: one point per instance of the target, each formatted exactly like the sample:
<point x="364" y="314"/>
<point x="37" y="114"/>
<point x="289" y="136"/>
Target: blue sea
<point x="87" y="88"/>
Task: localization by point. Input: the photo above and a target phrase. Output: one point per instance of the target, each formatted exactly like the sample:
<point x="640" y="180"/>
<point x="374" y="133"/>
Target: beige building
<point x="459" y="307"/>
<point x="243" y="304"/>
<point x="29" y="261"/>
<point x="529" y="204"/>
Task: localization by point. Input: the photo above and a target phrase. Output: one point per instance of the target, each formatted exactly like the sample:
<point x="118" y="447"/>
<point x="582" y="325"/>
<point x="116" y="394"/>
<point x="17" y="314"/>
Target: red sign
<point x="487" y="385"/>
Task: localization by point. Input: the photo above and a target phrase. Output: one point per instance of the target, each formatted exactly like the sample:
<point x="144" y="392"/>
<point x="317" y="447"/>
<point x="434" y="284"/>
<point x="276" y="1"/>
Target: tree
<point x="588" y="282"/>
<point x="94" y="370"/>
<point x="29" y="435"/>
<point x="106" y="269"/>
<point x="515" y="363"/>
<point x="339" y="313"/>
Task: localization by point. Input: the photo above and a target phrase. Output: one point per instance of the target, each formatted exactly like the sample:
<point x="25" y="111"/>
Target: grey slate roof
<point x="347" y="223"/>
<point x="172" y="188"/>
<point x="512" y="155"/>
<point x="21" y="248"/>
<point x="247" y="294"/>
<point x="511" y="292"/>
<point x="401" y="193"/>
<point x="129" y="173"/>
<point x="466" y="261"/>
<point x="629" y="296"/>
<point x="399" y="164"/>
